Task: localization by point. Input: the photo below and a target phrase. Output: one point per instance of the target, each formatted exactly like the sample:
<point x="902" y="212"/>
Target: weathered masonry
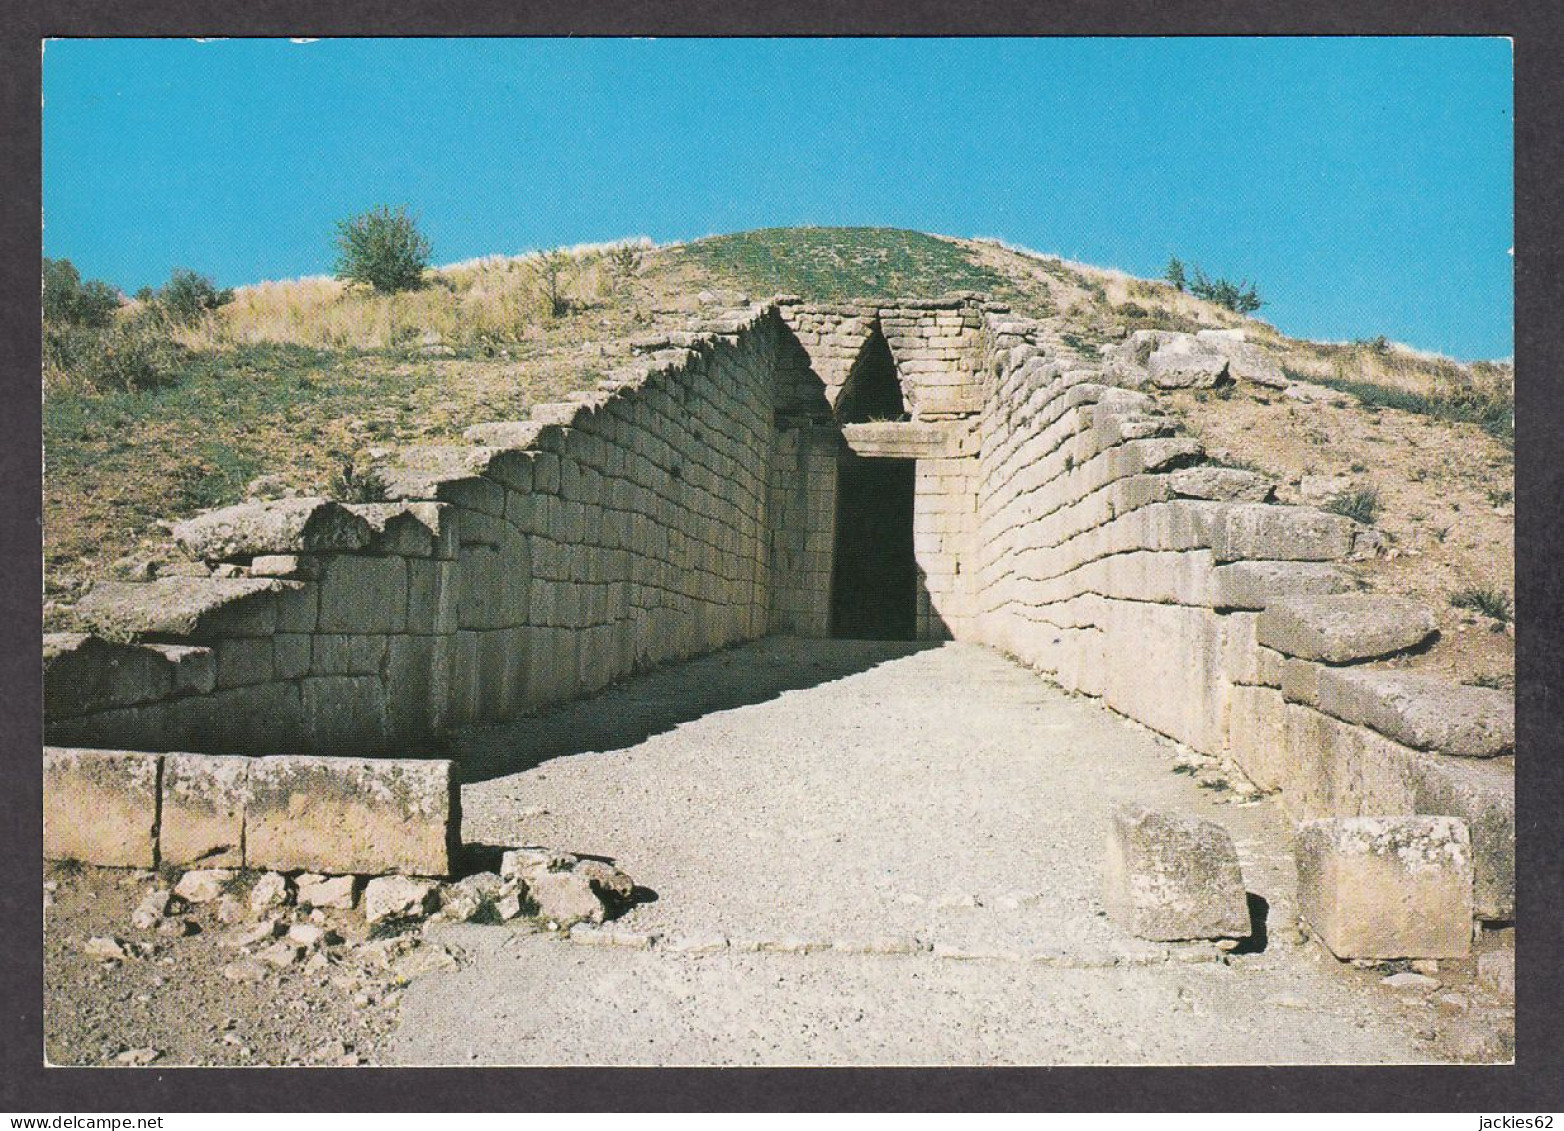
<point x="915" y="469"/>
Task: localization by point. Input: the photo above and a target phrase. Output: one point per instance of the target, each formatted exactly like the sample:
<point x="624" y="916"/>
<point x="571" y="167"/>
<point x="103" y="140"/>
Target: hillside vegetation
<point x="297" y="380"/>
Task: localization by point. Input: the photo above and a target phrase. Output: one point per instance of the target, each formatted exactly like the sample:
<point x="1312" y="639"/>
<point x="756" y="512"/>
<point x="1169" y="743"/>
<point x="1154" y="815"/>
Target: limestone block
<point x="433" y="596"/>
<point x="1258" y="530"/>
<point x="281" y="526"/>
<point x="100" y="806"/>
<point x="84" y="673"/>
<point x="1301" y="681"/>
<point x="1345" y="627"/>
<point x="243" y="661"/>
<point x="411" y="679"/>
<point x="1168" y="877"/>
<point x="291" y="654"/>
<point x="352" y="815"/>
<point x="1186" y="368"/>
<point x="1387" y="887"/>
<point x="1222" y="484"/>
<point x="197" y="607"/>
<point x="363" y="595"/>
<point x="338" y="654"/>
<point x="1337" y="769"/>
<point x="443" y="473"/>
<point x="202" y="820"/>
<point x="411" y="530"/>
<point x="1251" y="585"/>
<point x="345" y="714"/>
<point x="1246" y="361"/>
<point x="1257" y="735"/>
<point x="1426" y="712"/>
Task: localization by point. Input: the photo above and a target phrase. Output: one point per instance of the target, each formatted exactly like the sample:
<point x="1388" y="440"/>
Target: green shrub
<point x="187" y="296"/>
<point x="1362" y="505"/>
<point x="382" y="248"/>
<point x="1174" y="273"/>
<point x="550" y="269"/>
<point x="67" y="301"/>
<point x="1242" y="298"/>
<point x="1489" y="602"/>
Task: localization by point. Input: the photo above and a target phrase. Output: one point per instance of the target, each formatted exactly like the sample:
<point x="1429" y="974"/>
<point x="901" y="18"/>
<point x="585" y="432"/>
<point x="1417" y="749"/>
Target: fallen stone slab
<point x="100" y="806"/>
<point x="1168" y="877"/>
<point x="1253" y="585"/>
<point x="203" y="885"/>
<point x="1426" y="712"/>
<point x="186" y="606"/>
<point x="1387" y="887"/>
<point x="1280" y="533"/>
<point x="566" y="897"/>
<point x="202" y="819"/>
<point x="352" y="815"/>
<point x="1222" y="484"/>
<point x="1343" y="628"/>
<point x="400" y="897"/>
<point x="1182" y="368"/>
<point x="283" y="526"/>
<point x="337" y="892"/>
<point x="1246" y="361"/>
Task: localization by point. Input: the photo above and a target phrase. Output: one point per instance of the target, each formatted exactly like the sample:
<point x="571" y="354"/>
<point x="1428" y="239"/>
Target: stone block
<point x="1426" y="712"/>
<point x="406" y="529"/>
<point x="345" y="714"/>
<point x="196" y="607"/>
<point x="1221" y="484"/>
<point x="100" y="806"/>
<point x="1387" y="887"/>
<point x="243" y="661"/>
<point x="1345" y="627"/>
<point x="203" y="810"/>
<point x="336" y="654"/>
<point x="352" y="815"/>
<point x="291" y="654"/>
<point x="1184" y="368"/>
<point x="282" y="526"/>
<point x="1280" y="533"/>
<point x="363" y="595"/>
<point x="1254" y="584"/>
<point x="86" y="673"/>
<point x="1169" y="877"/>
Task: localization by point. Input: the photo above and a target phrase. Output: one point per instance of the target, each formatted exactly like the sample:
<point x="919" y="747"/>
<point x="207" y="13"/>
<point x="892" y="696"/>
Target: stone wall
<point x="541" y="559"/>
<point x="1110" y="556"/>
<point x="690" y="503"/>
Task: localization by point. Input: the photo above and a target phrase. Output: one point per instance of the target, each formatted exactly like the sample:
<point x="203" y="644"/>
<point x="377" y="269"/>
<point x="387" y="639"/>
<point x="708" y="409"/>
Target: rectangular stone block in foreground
<point x="1387" y="887"/>
<point x="1169" y="877"/>
<point x="100" y="806"/>
<point x="352" y="815"/>
<point x="202" y="821"/>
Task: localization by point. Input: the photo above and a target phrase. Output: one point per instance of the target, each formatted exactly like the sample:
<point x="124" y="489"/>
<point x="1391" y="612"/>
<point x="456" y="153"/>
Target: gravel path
<point x="839" y="800"/>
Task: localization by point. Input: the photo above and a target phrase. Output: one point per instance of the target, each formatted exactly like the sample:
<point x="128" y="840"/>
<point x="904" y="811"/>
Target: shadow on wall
<point x="661" y="700"/>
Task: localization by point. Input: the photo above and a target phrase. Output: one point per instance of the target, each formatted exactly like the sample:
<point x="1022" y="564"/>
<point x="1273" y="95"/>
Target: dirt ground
<point x="1446" y="503"/>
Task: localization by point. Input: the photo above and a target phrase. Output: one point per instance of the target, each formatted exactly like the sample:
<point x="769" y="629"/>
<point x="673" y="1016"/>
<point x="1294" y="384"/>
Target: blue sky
<point x="1365" y="184"/>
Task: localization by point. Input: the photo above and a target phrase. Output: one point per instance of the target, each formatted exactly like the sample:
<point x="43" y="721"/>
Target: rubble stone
<point x="1168" y="877"/>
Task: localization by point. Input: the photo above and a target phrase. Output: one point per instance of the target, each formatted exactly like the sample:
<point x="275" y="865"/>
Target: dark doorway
<point x="874" y="586"/>
<point x="872" y="390"/>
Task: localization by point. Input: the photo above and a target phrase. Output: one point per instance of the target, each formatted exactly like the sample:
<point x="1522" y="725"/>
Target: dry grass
<point x="496" y="299"/>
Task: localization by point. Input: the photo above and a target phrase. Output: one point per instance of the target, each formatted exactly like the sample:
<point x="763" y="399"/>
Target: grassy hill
<point x="298" y="379"/>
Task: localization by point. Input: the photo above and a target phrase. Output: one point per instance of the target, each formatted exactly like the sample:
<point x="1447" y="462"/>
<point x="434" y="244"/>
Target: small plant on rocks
<point x="1361" y="505"/>
<point x="1489" y="602"/>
